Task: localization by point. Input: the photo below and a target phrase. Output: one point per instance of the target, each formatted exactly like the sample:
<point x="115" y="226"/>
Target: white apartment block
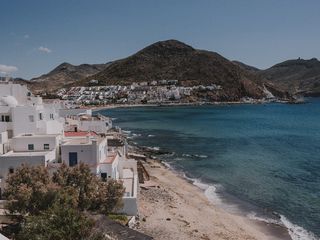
<point x="22" y="113"/>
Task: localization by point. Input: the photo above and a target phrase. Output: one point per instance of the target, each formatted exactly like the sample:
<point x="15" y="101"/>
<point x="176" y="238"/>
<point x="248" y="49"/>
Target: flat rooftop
<point x="79" y="134"/>
<point x="36" y="135"/>
<point x="26" y="154"/>
<point x="77" y="141"/>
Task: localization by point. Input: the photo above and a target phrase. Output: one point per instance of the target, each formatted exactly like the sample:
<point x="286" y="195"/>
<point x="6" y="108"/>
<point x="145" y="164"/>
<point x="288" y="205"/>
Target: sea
<point x="262" y="160"/>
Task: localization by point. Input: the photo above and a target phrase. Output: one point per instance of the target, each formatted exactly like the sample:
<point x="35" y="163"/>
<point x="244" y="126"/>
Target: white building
<point x="35" y="133"/>
<point x="28" y="149"/>
<point x="84" y="122"/>
<point x="21" y="113"/>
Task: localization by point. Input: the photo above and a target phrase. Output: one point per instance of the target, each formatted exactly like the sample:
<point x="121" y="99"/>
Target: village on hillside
<point x="163" y="91"/>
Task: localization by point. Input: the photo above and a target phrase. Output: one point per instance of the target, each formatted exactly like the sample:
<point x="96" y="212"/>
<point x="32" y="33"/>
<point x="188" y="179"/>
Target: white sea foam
<point x="210" y="191"/>
<point x="167" y="165"/>
<point x="150" y="135"/>
<point x="296" y="232"/>
<point x="136" y="135"/>
<point x="154" y="148"/>
<point x="126" y="132"/>
<point x="253" y="216"/>
<point x="200" y="156"/>
<point x="186" y="155"/>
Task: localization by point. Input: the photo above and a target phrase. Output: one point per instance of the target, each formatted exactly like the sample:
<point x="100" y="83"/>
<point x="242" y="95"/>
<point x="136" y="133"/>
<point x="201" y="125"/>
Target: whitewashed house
<point x="21" y="113"/>
<point x="30" y="149"/>
<point x="84" y="122"/>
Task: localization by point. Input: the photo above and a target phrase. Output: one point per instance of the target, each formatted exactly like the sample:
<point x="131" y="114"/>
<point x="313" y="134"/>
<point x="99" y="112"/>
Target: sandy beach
<point x="170" y="207"/>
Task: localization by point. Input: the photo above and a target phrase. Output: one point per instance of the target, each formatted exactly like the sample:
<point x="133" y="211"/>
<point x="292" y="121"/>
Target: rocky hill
<point x="297" y="76"/>
<point x="247" y="67"/>
<point x="175" y="60"/>
<point x="165" y="60"/>
<point x="64" y="74"/>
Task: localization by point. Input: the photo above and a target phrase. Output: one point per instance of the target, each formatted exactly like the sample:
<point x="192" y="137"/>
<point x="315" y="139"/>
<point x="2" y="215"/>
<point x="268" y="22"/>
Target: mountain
<point x="64" y="74"/>
<point x="166" y="60"/>
<point x="297" y="76"/>
<point x="247" y="67"/>
<point x="172" y="59"/>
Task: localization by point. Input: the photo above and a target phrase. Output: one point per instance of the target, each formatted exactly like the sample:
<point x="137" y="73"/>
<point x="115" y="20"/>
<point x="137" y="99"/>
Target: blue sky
<point x="37" y="35"/>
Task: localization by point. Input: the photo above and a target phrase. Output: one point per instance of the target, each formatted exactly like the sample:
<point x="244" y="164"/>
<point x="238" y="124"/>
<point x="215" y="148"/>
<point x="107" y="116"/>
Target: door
<point x="73" y="159"/>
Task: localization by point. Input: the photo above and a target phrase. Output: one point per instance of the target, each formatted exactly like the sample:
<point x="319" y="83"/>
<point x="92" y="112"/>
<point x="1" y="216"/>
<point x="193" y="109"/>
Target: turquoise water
<point x="265" y="155"/>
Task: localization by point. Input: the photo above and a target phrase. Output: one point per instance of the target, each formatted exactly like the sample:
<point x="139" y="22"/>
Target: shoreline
<point x="192" y="215"/>
<point x="173" y="104"/>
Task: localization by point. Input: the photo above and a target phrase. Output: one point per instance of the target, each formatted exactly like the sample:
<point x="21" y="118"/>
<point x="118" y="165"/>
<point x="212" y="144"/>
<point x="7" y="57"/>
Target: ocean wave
<point x="210" y="190"/>
<point x="167" y="165"/>
<point x="200" y="156"/>
<point x="154" y="148"/>
<point x="136" y="135"/>
<point x="253" y="216"/>
<point x="186" y="155"/>
<point x="296" y="232"/>
<point x="167" y="155"/>
<point x="150" y="135"/>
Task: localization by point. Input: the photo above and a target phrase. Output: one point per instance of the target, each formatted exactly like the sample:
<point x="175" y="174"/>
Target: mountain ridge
<point x="298" y="76"/>
<point x="64" y="74"/>
<point x="172" y="59"/>
<point x="164" y="60"/>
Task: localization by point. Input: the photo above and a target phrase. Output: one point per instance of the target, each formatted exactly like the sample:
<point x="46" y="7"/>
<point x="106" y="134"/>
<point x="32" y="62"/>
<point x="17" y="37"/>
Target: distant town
<point x="163" y="91"/>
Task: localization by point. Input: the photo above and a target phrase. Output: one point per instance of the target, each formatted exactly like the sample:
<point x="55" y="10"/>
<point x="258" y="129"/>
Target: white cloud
<point x="26" y="36"/>
<point x="44" y="49"/>
<point x="4" y="69"/>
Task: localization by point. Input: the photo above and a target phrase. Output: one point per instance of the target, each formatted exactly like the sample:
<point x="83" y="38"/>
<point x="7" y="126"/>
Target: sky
<point x="38" y="35"/>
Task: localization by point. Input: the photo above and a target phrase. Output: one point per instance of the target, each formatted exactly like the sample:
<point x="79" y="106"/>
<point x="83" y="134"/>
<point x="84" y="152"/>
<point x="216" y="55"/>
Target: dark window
<point x="11" y="170"/>
<point x="7" y="119"/>
<point x="73" y="159"/>
<point x="2" y="118"/>
<point x="46" y="146"/>
<point x="30" y="147"/>
<point x="40" y="116"/>
<point x="103" y="176"/>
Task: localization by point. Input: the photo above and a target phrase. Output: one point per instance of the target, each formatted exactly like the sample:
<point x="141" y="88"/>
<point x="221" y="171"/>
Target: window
<point x="40" y="116"/>
<point x="7" y="119"/>
<point x="11" y="170"/>
<point x="31" y="118"/>
<point x="46" y="146"/>
<point x="2" y="118"/>
<point x="104" y="176"/>
<point x="30" y="147"/>
<point x="51" y="116"/>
